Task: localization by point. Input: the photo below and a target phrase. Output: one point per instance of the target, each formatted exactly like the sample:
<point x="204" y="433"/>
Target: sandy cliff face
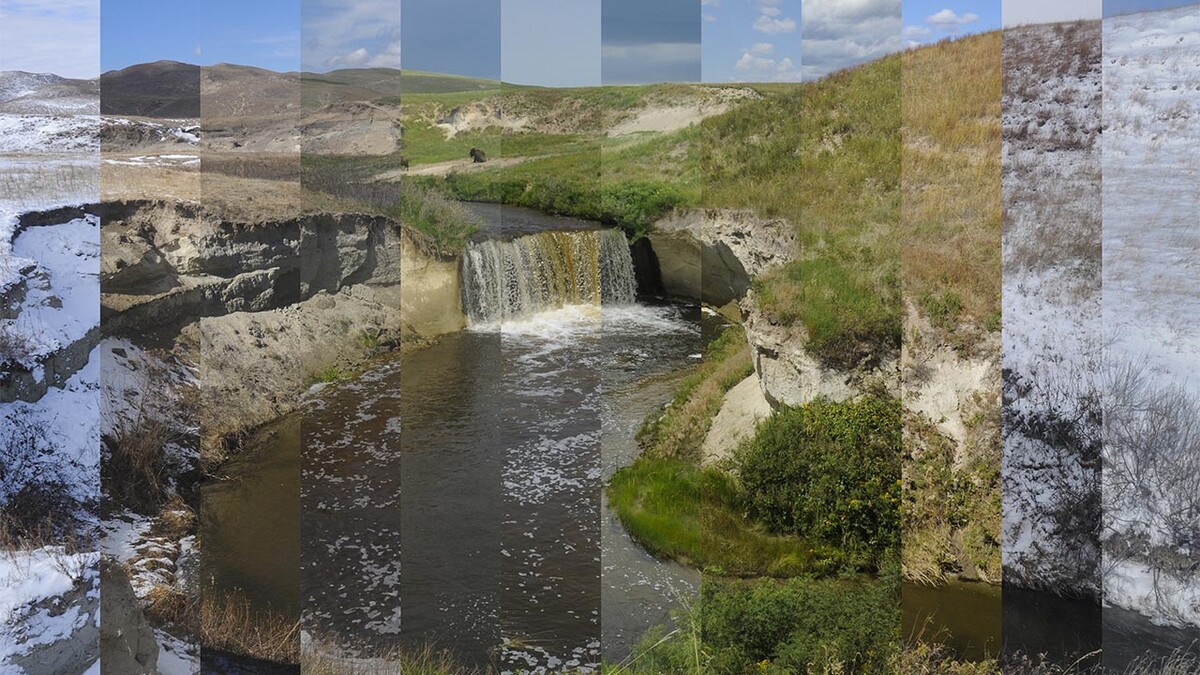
<point x="275" y="302"/>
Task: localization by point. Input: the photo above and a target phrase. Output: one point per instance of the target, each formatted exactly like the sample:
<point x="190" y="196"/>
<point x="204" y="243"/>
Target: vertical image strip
<point x="1151" y="336"/>
<point x="454" y="417"/>
<point x="50" y="496"/>
<point x="1051" y="420"/>
<point x="951" y="362"/>
<point x="353" y="251"/>
<point x="245" y="250"/>
<point x="550" y="312"/>
<point x="648" y="108"/>
<point x="150" y="354"/>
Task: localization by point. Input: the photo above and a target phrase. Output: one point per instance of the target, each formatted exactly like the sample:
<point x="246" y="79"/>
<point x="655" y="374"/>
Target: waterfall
<point x="503" y="280"/>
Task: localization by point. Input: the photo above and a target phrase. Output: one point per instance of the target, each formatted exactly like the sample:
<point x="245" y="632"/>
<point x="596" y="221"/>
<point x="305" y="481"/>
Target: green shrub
<point x="829" y="472"/>
<point x="801" y="625"/>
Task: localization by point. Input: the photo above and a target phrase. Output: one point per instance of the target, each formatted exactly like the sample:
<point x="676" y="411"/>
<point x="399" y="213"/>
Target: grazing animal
<point x="403" y="162"/>
<point x="477" y="156"/>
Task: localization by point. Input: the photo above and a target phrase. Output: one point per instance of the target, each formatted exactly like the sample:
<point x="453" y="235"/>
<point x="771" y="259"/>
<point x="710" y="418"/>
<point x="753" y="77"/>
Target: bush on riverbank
<point x="765" y="626"/>
<point x="829" y="472"/>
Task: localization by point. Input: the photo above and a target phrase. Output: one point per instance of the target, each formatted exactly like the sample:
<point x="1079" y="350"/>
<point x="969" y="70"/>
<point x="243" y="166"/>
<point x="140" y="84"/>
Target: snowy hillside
<point x="24" y="93"/>
<point x="1152" y="313"/>
<point x="1051" y="331"/>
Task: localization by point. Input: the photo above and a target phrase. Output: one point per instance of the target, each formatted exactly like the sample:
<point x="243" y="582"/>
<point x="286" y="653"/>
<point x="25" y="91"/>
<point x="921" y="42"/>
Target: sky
<point x="263" y="33"/>
<point x="51" y="36"/>
<point x="568" y="29"/>
<point x="461" y="37"/>
<point x="1045" y="11"/>
<point x="350" y="34"/>
<point x="751" y="40"/>
<point x="1112" y="7"/>
<point x="837" y="34"/>
<point x="927" y="21"/>
<point x="643" y="42"/>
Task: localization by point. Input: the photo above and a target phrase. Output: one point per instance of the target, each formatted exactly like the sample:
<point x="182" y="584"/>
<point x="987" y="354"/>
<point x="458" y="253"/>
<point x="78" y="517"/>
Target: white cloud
<point x="336" y="30"/>
<point x="842" y="33"/>
<point x="708" y="18"/>
<point x="771" y="20"/>
<point x="761" y="68"/>
<point x="916" y="31"/>
<point x="710" y="3"/>
<point x="949" y="21"/>
<point x="763" y="48"/>
<point x="773" y="26"/>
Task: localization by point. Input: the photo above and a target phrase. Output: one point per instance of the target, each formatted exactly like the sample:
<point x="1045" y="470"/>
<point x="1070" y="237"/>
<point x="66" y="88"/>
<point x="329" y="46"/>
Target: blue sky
<point x="650" y="41"/>
<point x="927" y="21"/>
<point x="568" y="29"/>
<point x="751" y="40"/>
<point x="51" y="36"/>
<point x="263" y="33"/>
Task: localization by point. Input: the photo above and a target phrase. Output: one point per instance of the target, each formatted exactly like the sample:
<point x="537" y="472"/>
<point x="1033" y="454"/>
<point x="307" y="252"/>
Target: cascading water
<point x="504" y="280"/>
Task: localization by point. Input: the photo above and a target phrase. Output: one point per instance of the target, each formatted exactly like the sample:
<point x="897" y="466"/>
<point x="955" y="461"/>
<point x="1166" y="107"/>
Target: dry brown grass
<point x="230" y="624"/>
<point x="951" y="209"/>
<point x="262" y="166"/>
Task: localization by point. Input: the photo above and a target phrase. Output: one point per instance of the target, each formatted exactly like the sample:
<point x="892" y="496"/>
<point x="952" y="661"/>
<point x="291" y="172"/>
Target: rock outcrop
<point x="276" y="302"/>
<point x="713" y="254"/>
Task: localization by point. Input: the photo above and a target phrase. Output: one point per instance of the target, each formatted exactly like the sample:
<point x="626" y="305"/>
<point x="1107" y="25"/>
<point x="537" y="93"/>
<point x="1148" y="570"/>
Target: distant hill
<point x="232" y="91"/>
<point x="159" y="89"/>
<point x="23" y="93"/>
<point x="359" y="84"/>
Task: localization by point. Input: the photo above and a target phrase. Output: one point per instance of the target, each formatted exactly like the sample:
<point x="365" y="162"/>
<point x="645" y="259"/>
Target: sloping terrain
<point x="163" y="89"/>
<point x="24" y="93"/>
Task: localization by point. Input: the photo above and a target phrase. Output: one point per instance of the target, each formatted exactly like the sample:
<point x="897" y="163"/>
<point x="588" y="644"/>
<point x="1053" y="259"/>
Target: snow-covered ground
<point x="43" y="134"/>
<point x="157" y="160"/>
<point x="62" y="286"/>
<point x="1051" y="297"/>
<point x="1152" y="313"/>
<point x="33" y="585"/>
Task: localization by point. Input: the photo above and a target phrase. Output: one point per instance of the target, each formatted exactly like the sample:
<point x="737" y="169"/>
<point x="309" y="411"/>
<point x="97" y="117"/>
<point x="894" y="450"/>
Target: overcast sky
<point x="655" y="41"/>
<point x="751" y="40"/>
<point x="1112" y="7"/>
<point x="51" y="36"/>
<point x="1046" y="11"/>
<point x="552" y="43"/>
<point x="927" y="21"/>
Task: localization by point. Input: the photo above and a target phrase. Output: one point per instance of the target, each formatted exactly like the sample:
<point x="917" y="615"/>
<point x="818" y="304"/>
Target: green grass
<point x="341" y="183"/>
<point x="695" y="515"/>
<point x="677" y="431"/>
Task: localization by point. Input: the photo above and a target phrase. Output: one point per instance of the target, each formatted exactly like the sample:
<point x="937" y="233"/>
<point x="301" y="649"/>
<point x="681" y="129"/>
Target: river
<point x="452" y="498"/>
<point x="485" y="454"/>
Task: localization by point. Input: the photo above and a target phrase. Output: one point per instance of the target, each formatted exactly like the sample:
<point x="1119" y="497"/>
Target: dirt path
<point x="452" y="166"/>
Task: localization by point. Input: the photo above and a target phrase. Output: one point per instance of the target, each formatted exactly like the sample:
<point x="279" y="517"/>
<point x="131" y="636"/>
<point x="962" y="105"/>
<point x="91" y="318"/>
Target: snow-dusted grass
<point x="47" y="134"/>
<point x="1152" y="313"/>
<point x="1051" y="297"/>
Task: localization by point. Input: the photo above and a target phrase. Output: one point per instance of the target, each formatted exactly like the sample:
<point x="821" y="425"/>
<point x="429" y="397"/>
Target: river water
<point x="452" y="498"/>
